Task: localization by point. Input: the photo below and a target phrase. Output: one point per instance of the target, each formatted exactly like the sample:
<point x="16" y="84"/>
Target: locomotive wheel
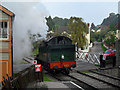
<point x="54" y="71"/>
<point x="67" y="71"/>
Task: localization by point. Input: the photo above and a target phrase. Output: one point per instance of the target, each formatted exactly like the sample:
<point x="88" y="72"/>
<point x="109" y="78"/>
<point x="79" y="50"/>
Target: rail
<point x="106" y="81"/>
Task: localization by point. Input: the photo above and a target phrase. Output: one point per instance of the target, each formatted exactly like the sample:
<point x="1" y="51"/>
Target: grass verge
<point x="23" y="62"/>
<point x="104" y="49"/>
<point x="45" y="78"/>
<point x="97" y="65"/>
<point x="95" y="71"/>
<point x="85" y="72"/>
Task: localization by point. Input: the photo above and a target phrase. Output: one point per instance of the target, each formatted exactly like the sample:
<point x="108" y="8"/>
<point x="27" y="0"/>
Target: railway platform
<point x="67" y="85"/>
<point x="47" y="85"/>
<point x="20" y="67"/>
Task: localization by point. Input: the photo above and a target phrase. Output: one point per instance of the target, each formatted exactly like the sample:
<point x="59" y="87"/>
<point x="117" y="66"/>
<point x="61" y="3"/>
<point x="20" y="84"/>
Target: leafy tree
<point x="113" y="28"/>
<point x="110" y="39"/>
<point x="92" y="26"/>
<point x="50" y="23"/>
<point x="56" y="23"/>
<point x="61" y="21"/>
<point x="78" y="30"/>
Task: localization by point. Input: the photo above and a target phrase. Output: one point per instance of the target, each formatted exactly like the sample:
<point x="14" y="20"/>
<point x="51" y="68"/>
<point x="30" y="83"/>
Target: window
<point x="107" y="52"/>
<point x="4" y="56"/>
<point x="113" y="51"/>
<point x="3" y="30"/>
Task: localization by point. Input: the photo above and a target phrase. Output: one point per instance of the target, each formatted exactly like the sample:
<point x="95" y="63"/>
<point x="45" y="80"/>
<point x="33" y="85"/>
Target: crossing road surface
<point x="97" y="48"/>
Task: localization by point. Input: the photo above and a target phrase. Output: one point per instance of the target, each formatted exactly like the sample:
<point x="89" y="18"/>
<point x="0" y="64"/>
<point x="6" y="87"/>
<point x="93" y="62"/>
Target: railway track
<point x="92" y="80"/>
<point x="63" y="78"/>
<point x="100" y="80"/>
<point x="28" y="59"/>
<point x="115" y="78"/>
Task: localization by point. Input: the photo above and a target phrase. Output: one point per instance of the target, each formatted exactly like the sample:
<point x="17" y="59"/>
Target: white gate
<point x="93" y="58"/>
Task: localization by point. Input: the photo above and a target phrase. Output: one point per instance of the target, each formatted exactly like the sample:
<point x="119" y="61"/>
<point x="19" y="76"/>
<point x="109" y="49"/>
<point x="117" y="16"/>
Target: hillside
<point x="103" y="31"/>
<point x="112" y="20"/>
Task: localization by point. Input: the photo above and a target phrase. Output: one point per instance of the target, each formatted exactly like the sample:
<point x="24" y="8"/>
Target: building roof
<point x="5" y="10"/>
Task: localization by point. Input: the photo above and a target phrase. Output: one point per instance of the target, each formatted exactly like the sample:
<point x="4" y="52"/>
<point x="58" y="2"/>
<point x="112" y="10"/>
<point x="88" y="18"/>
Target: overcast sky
<point x="90" y="11"/>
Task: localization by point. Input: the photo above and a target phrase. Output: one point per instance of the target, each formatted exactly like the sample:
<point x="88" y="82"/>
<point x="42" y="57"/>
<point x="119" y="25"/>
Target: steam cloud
<point x="28" y="16"/>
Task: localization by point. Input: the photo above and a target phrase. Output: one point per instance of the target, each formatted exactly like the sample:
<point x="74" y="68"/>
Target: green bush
<point x="104" y="49"/>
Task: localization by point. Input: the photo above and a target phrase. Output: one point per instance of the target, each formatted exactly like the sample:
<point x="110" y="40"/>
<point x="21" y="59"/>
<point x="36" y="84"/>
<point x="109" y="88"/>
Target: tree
<point x="92" y="26"/>
<point x="113" y="28"/>
<point x="79" y="30"/>
<point x="110" y="39"/>
<point x="50" y="23"/>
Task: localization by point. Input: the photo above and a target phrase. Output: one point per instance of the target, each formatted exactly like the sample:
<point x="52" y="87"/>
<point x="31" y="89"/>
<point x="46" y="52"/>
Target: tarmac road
<point x="96" y="48"/>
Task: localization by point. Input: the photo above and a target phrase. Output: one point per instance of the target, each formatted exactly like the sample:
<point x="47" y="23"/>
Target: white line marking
<point x="76" y="85"/>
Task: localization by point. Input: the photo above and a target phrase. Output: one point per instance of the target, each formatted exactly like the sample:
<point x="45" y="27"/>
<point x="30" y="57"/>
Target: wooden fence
<point x="22" y="80"/>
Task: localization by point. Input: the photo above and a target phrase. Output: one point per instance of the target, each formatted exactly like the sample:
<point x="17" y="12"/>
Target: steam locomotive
<point x="57" y="54"/>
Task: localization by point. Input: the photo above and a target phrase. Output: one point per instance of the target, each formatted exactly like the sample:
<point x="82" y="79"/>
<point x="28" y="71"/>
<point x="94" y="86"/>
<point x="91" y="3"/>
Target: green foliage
<point x="35" y="51"/>
<point x="96" y="70"/>
<point x="98" y="40"/>
<point x="85" y="72"/>
<point x="92" y="37"/>
<point x="97" y="65"/>
<point x="113" y="28"/>
<point x="110" y="39"/>
<point x="78" y="30"/>
<point x="60" y="21"/>
<point x="99" y="36"/>
<point x="50" y="23"/>
<point x="36" y="47"/>
<point x="109" y="24"/>
<point x="55" y="23"/>
<point x="103" y="48"/>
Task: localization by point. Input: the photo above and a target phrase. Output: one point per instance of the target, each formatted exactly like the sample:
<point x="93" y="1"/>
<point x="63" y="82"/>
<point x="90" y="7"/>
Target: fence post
<point x="117" y="46"/>
<point x="42" y="74"/>
<point x="114" y="61"/>
<point x="101" y="61"/>
<point x="20" y="81"/>
<point x="8" y="82"/>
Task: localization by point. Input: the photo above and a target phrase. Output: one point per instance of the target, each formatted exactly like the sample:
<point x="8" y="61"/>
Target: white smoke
<point x="28" y="16"/>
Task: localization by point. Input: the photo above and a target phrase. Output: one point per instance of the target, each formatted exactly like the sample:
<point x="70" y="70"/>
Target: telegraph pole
<point x="118" y="42"/>
<point x="117" y="53"/>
